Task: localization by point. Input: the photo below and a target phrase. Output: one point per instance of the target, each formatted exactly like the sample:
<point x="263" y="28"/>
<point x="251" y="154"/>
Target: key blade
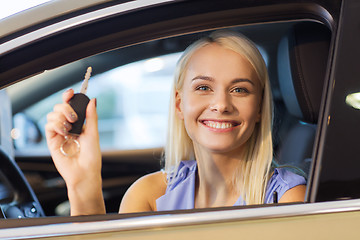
<point x="84" y="85"/>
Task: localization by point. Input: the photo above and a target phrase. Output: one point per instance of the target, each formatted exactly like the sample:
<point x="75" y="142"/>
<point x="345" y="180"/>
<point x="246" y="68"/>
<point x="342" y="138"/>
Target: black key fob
<point x="79" y="103"/>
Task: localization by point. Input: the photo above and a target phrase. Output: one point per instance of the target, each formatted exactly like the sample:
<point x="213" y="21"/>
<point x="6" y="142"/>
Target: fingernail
<point x="65" y="132"/>
<point x="67" y="125"/>
<point x="70" y="89"/>
<point x="73" y="116"/>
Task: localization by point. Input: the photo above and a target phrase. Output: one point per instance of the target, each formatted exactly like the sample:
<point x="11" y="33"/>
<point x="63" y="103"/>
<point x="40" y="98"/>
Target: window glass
<point x="132" y="104"/>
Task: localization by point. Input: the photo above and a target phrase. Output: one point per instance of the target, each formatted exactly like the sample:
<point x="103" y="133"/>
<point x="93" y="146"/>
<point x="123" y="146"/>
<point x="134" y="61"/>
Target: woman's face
<point x="220" y="99"/>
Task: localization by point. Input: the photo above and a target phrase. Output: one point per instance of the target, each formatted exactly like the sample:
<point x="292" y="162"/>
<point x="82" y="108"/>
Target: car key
<point x="79" y="103"/>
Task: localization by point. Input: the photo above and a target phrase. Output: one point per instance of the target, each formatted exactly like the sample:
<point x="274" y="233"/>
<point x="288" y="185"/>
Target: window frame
<point x="266" y="13"/>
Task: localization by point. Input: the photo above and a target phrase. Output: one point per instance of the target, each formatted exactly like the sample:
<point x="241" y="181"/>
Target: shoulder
<point x="287" y="178"/>
<point x="290" y="186"/>
<point x="142" y="194"/>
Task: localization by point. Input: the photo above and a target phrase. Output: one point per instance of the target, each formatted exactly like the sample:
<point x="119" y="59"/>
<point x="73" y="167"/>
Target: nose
<point x="221" y="102"/>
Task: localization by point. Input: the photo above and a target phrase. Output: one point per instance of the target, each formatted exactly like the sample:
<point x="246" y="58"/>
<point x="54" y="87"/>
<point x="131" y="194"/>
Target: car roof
<point x="43" y="13"/>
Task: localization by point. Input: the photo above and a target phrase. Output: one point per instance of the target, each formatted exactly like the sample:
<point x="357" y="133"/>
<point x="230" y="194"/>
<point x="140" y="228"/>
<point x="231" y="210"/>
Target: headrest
<point x="302" y="61"/>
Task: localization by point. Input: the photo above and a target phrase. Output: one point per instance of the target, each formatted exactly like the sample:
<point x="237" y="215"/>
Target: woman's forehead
<point x="216" y="61"/>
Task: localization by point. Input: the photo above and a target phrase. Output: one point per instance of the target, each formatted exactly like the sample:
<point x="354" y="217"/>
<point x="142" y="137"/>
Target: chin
<point x="223" y="148"/>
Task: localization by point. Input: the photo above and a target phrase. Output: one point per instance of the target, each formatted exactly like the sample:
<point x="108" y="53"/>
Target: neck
<point x="214" y="183"/>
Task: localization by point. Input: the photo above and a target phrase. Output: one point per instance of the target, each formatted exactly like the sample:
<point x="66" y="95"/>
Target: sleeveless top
<point x="180" y="194"/>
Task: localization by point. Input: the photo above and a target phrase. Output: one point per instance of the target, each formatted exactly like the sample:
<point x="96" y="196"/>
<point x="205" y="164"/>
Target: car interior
<point x="296" y="53"/>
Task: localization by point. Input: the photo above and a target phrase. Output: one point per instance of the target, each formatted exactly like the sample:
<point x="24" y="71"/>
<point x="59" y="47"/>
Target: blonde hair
<point x="252" y="174"/>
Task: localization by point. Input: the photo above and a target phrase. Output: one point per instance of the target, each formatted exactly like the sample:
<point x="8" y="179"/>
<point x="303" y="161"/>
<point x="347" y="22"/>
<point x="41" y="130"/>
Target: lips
<point x="220" y="124"/>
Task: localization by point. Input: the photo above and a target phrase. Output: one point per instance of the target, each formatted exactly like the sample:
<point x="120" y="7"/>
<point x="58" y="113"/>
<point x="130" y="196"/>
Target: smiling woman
<point x="228" y="159"/>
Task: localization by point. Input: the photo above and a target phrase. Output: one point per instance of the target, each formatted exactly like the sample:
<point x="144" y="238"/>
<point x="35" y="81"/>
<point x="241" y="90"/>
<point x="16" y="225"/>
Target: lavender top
<point x="180" y="194"/>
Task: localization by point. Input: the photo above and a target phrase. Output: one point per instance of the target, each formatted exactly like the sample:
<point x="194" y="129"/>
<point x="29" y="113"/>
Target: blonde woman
<point x="219" y="148"/>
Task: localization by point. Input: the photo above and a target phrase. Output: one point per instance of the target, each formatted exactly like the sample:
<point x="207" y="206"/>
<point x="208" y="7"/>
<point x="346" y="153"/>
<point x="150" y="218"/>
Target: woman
<point x="219" y="148"/>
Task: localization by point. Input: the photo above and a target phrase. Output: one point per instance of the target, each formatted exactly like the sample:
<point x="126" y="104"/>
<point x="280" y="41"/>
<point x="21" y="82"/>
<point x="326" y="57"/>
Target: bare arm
<point x="142" y="195"/>
<point x="295" y="194"/>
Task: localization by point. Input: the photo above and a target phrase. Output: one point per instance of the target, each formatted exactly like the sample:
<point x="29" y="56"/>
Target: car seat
<point x="302" y="61"/>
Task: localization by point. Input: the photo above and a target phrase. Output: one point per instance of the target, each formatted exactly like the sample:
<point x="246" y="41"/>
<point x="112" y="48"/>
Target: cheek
<point x="192" y="108"/>
<point x="250" y="110"/>
<point x="189" y="108"/>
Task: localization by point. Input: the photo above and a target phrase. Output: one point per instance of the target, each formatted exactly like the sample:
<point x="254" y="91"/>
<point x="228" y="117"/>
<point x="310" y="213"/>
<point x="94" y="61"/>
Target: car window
<point x="132" y="87"/>
<point x="132" y="105"/>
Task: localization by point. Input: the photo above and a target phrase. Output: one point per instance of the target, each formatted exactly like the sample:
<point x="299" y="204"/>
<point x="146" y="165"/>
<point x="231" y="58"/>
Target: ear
<point x="178" y="105"/>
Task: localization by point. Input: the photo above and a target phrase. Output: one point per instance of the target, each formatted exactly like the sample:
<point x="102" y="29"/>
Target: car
<point x="310" y="48"/>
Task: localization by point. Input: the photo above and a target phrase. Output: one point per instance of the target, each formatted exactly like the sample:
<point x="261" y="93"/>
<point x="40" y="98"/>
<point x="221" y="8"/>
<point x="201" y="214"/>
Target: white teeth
<point x="219" y="125"/>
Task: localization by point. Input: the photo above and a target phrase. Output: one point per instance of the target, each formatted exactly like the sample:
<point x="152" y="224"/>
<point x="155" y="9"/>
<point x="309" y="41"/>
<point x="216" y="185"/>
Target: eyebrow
<point x="236" y="80"/>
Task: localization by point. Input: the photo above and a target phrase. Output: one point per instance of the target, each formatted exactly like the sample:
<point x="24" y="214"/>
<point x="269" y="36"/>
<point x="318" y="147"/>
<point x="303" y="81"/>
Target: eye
<point x="203" y="88"/>
<point x="240" y="90"/>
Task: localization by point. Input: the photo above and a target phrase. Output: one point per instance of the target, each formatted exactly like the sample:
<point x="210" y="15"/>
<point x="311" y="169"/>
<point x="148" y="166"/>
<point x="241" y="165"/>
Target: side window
<point x="132" y="104"/>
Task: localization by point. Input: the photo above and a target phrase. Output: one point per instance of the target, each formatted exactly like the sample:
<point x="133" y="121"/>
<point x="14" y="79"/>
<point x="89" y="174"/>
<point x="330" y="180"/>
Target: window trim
<point x="130" y="222"/>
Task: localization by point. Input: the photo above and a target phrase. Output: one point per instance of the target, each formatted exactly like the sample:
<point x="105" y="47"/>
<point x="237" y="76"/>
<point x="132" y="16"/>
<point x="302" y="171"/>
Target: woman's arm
<point x="142" y="195"/>
<point x="295" y="194"/>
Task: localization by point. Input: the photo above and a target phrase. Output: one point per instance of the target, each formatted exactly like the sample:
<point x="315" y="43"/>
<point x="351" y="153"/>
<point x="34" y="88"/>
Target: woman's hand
<point x="82" y="171"/>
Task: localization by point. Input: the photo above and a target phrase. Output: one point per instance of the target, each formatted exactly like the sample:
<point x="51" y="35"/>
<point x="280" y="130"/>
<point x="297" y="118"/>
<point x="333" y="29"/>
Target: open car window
<point x="132" y="88"/>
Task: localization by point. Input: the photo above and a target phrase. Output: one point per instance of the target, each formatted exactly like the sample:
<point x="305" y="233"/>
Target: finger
<point x="53" y="139"/>
<point x="67" y="95"/>
<point x="67" y="111"/>
<point x="91" y="118"/>
<point x="57" y="127"/>
<point x="56" y="118"/>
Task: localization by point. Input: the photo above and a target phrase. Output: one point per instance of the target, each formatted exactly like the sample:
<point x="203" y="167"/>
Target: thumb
<point x="91" y="126"/>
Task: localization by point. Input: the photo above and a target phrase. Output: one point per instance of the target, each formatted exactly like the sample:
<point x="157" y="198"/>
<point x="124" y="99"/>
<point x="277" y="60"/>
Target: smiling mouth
<point x="219" y="125"/>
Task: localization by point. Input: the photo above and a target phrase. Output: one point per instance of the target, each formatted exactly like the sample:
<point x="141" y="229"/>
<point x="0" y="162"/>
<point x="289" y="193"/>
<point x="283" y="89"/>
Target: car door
<point x="152" y="27"/>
